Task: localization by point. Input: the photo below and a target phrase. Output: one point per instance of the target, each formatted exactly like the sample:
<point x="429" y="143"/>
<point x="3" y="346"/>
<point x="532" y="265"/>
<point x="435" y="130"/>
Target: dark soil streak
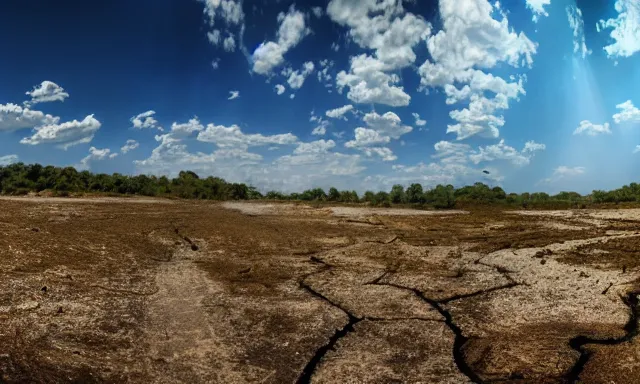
<point x="632" y="300"/>
<point x="459" y="341"/>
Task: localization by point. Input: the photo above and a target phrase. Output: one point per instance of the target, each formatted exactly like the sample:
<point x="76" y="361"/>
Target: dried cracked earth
<point x="159" y="291"/>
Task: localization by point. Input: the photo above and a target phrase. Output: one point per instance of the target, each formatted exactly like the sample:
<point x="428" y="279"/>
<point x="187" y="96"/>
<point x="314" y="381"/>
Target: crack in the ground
<point x="310" y="368"/>
<point x="478" y="293"/>
<point x="459" y="340"/>
<point x="632" y="300"/>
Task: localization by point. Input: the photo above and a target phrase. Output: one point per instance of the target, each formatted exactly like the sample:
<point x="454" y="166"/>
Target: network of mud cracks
<point x="158" y="291"/>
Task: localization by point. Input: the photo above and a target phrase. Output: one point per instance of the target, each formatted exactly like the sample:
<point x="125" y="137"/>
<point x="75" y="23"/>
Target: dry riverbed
<point x="156" y="291"/>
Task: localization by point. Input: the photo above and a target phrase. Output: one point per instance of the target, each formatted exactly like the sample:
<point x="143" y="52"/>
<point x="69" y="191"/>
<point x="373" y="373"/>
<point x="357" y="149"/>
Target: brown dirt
<point x="97" y="290"/>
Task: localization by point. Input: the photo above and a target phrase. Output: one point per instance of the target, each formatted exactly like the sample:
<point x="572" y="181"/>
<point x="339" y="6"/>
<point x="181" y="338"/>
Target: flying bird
<point x="486" y="172"/>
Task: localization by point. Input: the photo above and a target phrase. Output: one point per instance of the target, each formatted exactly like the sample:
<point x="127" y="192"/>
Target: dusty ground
<point x="187" y="292"/>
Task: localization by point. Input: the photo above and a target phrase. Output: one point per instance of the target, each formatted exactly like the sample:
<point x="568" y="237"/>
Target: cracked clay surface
<point x="197" y="292"/>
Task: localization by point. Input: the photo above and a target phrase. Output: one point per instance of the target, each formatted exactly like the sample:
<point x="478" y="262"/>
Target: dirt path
<point x="182" y="346"/>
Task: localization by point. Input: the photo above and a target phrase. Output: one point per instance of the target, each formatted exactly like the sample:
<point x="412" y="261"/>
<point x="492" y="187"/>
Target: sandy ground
<point x="200" y="292"/>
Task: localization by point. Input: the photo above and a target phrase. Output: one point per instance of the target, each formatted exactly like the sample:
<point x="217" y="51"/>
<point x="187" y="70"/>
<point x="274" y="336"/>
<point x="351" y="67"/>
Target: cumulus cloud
<point x="280" y="89"/>
<point x="501" y="151"/>
<point x="537" y="7"/>
<point x="96" y="154"/>
<point x="563" y="172"/>
<point x="319" y="146"/>
<point x="129" y="146"/>
<point x="628" y="113"/>
<point x="215" y="64"/>
<point x="270" y="55"/>
<point x="296" y="78"/>
<point x="588" y="128"/>
<point x="625" y="29"/>
<point x="323" y="74"/>
<point x="14" y="117"/>
<point x="576" y="23"/>
<point x="419" y="122"/>
<point x="226" y="14"/>
<point x="471" y="38"/>
<point x="66" y="134"/>
<point x="339" y="113"/>
<point x="46" y="92"/>
<point x="369" y="84"/>
<point x="388" y="124"/>
<point x="317" y="11"/>
<point x="8" y="159"/>
<point x="382" y="26"/>
<point x="229" y="44"/>
<point x="365" y="137"/>
<point x="233" y="95"/>
<point x="186" y="129"/>
<point x="637" y="149"/>
<point x="146" y="120"/>
<point x="391" y="33"/>
<point x="230" y="137"/>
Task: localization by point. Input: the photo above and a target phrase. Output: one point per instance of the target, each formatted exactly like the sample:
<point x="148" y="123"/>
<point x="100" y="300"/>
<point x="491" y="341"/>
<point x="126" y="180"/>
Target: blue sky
<point x="543" y="94"/>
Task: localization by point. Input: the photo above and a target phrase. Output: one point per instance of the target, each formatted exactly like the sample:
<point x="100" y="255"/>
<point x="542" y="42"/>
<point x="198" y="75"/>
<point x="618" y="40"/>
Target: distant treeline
<point x="21" y="179"/>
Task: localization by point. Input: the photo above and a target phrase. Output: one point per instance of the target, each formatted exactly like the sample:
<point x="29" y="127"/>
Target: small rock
<point x="194" y="247"/>
<point x="35" y="229"/>
<point x="543" y="261"/>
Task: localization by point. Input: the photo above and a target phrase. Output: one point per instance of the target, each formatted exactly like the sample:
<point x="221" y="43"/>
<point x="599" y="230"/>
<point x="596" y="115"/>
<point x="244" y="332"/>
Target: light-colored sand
<point x="251" y="208"/>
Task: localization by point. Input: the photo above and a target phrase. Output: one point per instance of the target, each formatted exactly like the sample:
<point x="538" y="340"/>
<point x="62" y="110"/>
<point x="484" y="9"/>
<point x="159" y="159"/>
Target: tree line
<point x="21" y="179"/>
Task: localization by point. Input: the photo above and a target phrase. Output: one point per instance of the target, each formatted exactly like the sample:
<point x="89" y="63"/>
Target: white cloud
<point x="270" y="55"/>
<point x="563" y="172"/>
<point x="323" y="74"/>
<point x="369" y="84"/>
<point x="625" y="29"/>
<point x="214" y="37"/>
<point x="501" y="151"/>
<point x="382" y="26"/>
<point x="233" y="137"/>
<point x="339" y="113"/>
<point x="280" y="89"/>
<point x="14" y="117"/>
<point x="146" y="120"/>
<point x="537" y="7"/>
<point x="96" y="154"/>
<point x="46" y="92"/>
<point x="365" y="137"/>
<point x="129" y="146"/>
<point x="388" y="124"/>
<point x="297" y="78"/>
<point x="479" y="118"/>
<point x="66" y="134"/>
<point x="637" y="149"/>
<point x="317" y="11"/>
<point x="8" y="159"/>
<point x="448" y="152"/>
<point x="471" y="38"/>
<point x="230" y="13"/>
<point x="180" y="130"/>
<point x="320" y="130"/>
<point x="319" y="146"/>
<point x="322" y="126"/>
<point x="385" y="28"/>
<point x="532" y="146"/>
<point x="588" y="128"/>
<point x="215" y="64"/>
<point x="229" y="44"/>
<point x="419" y="121"/>
<point x="576" y="23"/>
<point x="335" y="47"/>
<point x="233" y="95"/>
<point x="292" y="96"/>
<point x="628" y="113"/>
<point x="385" y="153"/>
